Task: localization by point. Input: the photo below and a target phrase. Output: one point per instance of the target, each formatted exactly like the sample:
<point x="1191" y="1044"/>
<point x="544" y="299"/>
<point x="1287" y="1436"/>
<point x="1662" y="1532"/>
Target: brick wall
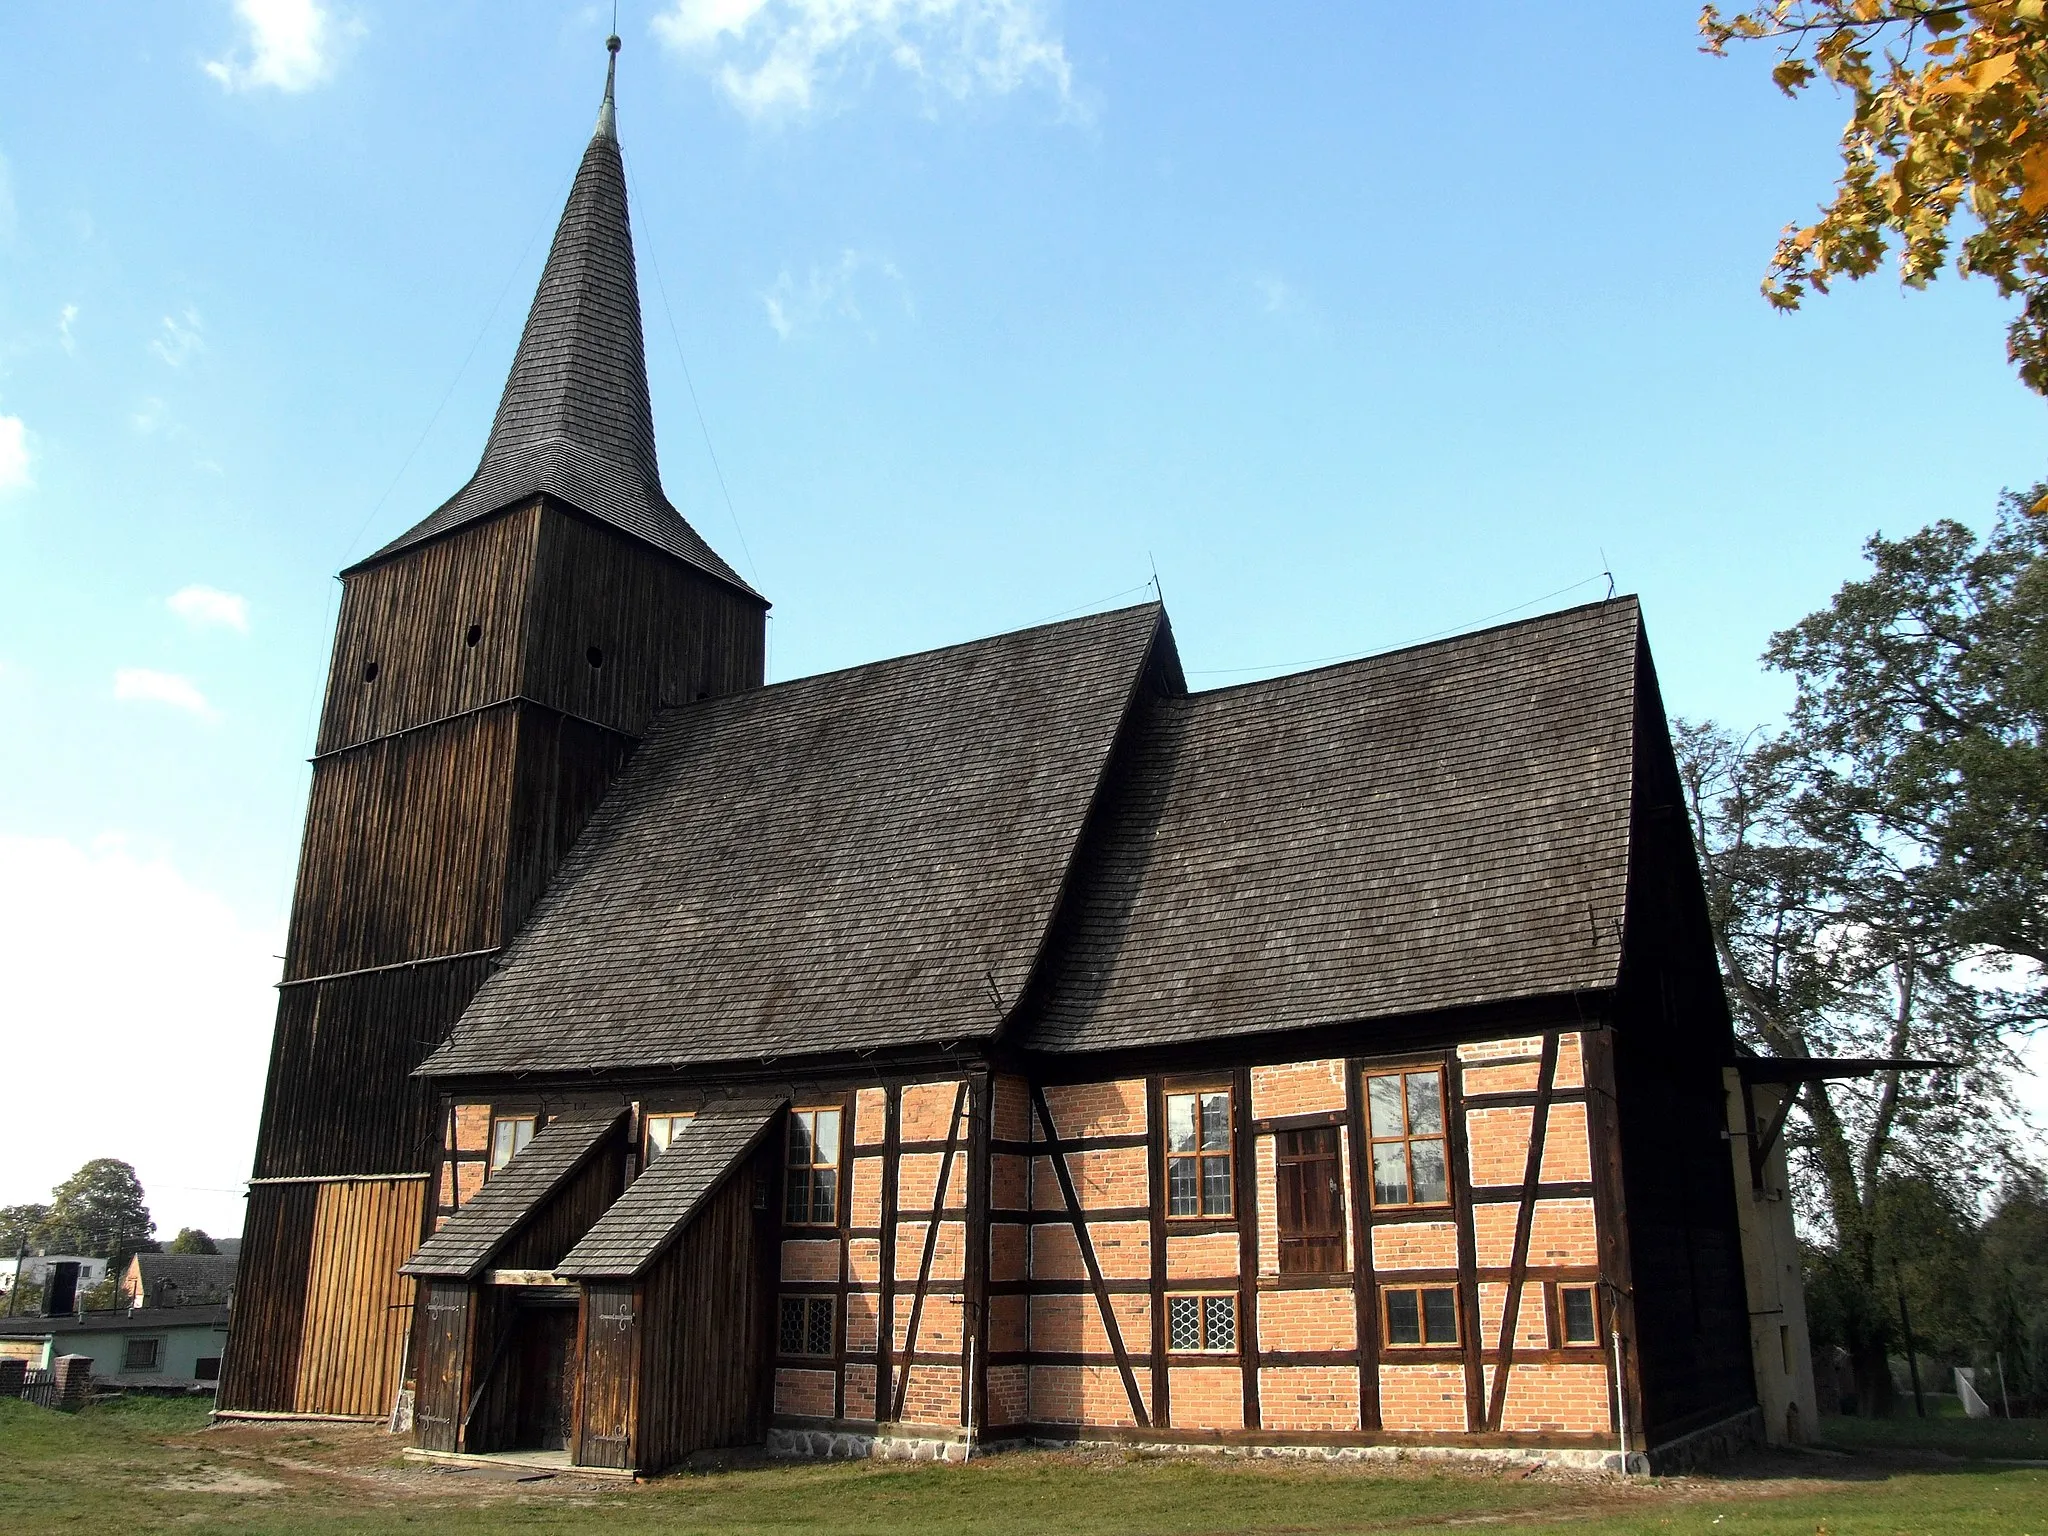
<point x="933" y="1395"/>
<point x="1308" y="1396"/>
<point x="1561" y="1235"/>
<point x="1084" y="1394"/>
<point x="1009" y="1394"/>
<point x="1422" y="1397"/>
<point x="1097" y="1109"/>
<point x="1071" y="1324"/>
<point x="1560" y="1398"/>
<point x="1012" y="1110"/>
<point x="1415" y="1245"/>
<point x="1308" y="1320"/>
<point x="860" y="1392"/>
<point x="804" y="1392"/>
<point x="1298" y="1088"/>
<point x="1105" y="1178"/>
<point x="1207" y="1396"/>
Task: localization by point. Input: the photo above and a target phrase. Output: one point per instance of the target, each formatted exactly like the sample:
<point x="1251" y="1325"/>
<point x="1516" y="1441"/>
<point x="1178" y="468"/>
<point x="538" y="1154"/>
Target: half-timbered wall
<point x="1086" y="1260"/>
<point x="900" y="1268"/>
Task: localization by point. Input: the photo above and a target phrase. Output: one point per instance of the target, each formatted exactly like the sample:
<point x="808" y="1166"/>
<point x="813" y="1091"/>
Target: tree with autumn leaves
<point x="1945" y="155"/>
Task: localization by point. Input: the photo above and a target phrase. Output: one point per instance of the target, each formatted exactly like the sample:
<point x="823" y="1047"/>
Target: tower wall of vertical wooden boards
<point x="485" y="689"/>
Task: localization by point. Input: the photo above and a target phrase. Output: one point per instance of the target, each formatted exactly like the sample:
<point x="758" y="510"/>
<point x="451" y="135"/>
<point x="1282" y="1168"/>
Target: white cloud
<point x="173" y="1034"/>
<point x="180" y="338"/>
<point x="65" y="316"/>
<point x="833" y="290"/>
<point x="140" y="685"/>
<point x="772" y="58"/>
<point x="14" y="475"/>
<point x="210" y="608"/>
<point x="290" y="46"/>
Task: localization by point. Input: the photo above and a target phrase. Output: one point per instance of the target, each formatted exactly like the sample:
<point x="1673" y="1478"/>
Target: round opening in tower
<point x="473" y="634"/>
<point x="369" y="671"/>
<point x="594" y="656"/>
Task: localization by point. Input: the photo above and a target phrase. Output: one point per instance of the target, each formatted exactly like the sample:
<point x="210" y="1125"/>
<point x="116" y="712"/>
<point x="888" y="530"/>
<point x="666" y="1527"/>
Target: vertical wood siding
<point x="667" y="634"/>
<point x="445" y="792"/>
<point x="441" y="1371"/>
<point x="411" y="616"/>
<point x="341" y="1097"/>
<point x="706" y="1330"/>
<point x="261" y="1370"/>
<point x="608" y="1379"/>
<point x="358" y="1307"/>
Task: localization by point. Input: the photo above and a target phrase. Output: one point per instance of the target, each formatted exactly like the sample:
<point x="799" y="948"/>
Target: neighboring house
<point x="61" y="1275"/>
<point x="161" y="1347"/>
<point x="1001" y="1044"/>
<point x="178" y="1279"/>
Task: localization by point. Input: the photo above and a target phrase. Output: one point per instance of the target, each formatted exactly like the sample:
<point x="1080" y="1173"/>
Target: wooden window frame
<point x="491" y="1163"/>
<point x="1387" y="1339"/>
<point x="1207" y="1351"/>
<point x="1560" y="1334"/>
<point x="1202" y="1155"/>
<point x="155" y="1362"/>
<point x="811" y="1301"/>
<point x="838" y="1113"/>
<point x="1337" y="1239"/>
<point x="1407" y="1138"/>
<point x="677" y="1119"/>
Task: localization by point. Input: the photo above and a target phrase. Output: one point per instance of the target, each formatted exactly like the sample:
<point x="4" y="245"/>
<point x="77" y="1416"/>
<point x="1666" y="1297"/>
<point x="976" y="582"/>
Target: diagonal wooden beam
<point x="1074" y="1214"/>
<point x="931" y="1246"/>
<point x="1525" y="1221"/>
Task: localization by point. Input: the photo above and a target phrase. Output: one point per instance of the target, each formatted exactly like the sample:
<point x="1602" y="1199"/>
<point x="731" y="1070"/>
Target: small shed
<point x="675" y="1347"/>
<point x="496" y="1335"/>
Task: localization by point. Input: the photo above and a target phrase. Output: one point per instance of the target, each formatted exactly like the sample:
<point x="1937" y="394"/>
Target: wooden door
<point x="610" y="1376"/>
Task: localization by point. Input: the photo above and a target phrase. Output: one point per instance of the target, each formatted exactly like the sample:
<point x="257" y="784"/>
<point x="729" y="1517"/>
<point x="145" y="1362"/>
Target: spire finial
<point x="607" y="114"/>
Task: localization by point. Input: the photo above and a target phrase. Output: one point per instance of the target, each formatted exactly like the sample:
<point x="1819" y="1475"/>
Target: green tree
<point x="1922" y="714"/>
<point x="191" y="1240"/>
<point x="99" y="1210"/>
<point x="1862" y="904"/>
<point x="2011" y="1289"/>
<point x="1948" y="122"/>
<point x="19" y="1225"/>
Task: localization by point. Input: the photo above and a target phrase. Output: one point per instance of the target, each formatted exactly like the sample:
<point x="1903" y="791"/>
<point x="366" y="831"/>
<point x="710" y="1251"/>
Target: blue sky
<point x="1361" y="324"/>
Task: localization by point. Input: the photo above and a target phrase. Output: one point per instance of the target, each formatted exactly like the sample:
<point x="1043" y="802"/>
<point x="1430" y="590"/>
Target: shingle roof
<point x="464" y="1245"/>
<point x="860" y="859"/>
<point x="660" y="1203"/>
<point x="123" y="1320"/>
<point x="575" y="421"/>
<point x="1436" y="827"/>
<point x="197" y="1277"/>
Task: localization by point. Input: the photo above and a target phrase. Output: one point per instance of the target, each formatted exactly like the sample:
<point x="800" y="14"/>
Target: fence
<point x="65" y="1386"/>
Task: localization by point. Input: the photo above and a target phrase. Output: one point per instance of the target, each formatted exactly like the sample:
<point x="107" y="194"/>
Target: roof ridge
<point x="1442" y="642"/>
<point x="910" y="656"/>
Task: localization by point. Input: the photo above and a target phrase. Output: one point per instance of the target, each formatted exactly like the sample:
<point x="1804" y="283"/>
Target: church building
<point x="999" y="1045"/>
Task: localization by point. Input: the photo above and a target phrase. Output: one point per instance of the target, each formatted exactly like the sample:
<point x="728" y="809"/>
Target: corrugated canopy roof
<point x="575" y="421"/>
<point x="463" y="1248"/>
<point x="649" y="1215"/>
<point x="862" y="859"/>
<point x="1439" y="827"/>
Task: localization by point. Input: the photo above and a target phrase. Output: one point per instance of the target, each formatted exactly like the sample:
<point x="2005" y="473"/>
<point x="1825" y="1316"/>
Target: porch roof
<point x="648" y="1216"/>
<point x="462" y="1249"/>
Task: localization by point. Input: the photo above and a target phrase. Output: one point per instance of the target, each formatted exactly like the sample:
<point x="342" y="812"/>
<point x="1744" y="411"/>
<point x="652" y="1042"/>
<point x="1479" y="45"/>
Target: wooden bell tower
<point x="493" y="669"/>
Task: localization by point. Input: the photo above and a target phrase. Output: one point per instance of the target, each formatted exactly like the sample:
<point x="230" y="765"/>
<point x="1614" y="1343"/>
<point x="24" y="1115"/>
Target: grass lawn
<point x="143" y="1465"/>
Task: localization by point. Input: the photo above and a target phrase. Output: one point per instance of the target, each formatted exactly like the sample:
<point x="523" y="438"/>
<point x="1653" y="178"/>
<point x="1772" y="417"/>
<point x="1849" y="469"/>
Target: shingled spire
<point x="574" y="421"/>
